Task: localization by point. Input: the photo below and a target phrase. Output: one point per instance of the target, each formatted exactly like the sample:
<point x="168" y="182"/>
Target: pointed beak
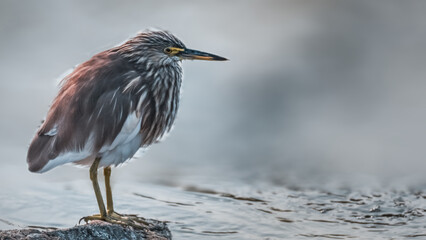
<point x="190" y="54"/>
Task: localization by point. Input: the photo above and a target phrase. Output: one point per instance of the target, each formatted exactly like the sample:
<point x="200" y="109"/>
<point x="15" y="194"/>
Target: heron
<point x="120" y="100"/>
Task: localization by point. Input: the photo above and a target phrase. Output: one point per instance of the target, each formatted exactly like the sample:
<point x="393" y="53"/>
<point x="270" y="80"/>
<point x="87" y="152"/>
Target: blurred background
<point x="315" y="93"/>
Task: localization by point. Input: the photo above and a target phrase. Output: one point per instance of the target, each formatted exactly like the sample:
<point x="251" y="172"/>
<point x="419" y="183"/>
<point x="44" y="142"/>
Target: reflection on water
<point x="241" y="212"/>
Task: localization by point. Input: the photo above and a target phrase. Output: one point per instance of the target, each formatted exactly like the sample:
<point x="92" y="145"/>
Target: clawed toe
<point x="116" y="218"/>
<point x="90" y="218"/>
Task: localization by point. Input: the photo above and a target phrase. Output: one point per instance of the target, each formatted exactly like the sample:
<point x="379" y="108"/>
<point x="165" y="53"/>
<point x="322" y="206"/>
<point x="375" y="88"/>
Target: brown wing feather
<point x="90" y="101"/>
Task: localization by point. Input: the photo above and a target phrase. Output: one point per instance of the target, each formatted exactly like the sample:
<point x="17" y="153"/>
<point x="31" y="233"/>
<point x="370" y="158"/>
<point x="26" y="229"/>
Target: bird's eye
<point x="167" y="50"/>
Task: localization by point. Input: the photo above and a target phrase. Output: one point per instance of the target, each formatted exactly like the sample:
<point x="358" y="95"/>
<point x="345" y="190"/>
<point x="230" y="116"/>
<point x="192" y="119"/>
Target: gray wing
<point x="88" y="113"/>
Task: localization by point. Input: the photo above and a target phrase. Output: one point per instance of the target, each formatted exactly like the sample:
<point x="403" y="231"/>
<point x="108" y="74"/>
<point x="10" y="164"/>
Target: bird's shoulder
<point x="93" y="98"/>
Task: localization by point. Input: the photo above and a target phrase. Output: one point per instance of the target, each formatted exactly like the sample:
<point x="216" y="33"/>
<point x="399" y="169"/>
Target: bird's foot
<point x="116" y="218"/>
<point x="130" y="217"/>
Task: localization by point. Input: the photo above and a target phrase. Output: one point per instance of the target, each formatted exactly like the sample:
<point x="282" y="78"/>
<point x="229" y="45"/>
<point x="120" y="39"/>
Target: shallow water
<point x="198" y="207"/>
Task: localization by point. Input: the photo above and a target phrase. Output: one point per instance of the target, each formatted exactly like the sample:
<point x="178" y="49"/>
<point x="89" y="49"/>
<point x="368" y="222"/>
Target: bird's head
<point x="161" y="47"/>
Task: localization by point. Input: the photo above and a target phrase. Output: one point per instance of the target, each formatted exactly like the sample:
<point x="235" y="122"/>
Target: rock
<point x="95" y="230"/>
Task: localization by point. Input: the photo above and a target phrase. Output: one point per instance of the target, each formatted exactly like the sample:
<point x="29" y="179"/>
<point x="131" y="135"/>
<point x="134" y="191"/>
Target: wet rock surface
<point x="156" y="230"/>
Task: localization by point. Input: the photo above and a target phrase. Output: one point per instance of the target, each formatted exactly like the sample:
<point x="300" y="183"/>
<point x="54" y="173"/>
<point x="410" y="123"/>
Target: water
<point x="199" y="207"/>
<point x="314" y="129"/>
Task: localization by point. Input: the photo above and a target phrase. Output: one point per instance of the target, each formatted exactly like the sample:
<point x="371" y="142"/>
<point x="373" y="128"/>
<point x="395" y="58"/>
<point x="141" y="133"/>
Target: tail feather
<point x="40" y="152"/>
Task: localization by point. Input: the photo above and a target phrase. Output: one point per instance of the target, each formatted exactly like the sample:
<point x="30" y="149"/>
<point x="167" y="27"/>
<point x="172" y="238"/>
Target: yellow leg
<point x="109" y="215"/>
<point x="110" y="205"/>
<point x="94" y="178"/>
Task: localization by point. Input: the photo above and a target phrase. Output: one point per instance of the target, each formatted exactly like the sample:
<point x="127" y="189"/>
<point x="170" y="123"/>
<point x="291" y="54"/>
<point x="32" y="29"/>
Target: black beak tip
<point x="218" y="58"/>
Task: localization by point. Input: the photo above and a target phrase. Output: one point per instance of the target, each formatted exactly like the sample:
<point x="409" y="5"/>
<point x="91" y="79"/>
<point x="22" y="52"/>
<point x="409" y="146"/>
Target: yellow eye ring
<point x="173" y="50"/>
